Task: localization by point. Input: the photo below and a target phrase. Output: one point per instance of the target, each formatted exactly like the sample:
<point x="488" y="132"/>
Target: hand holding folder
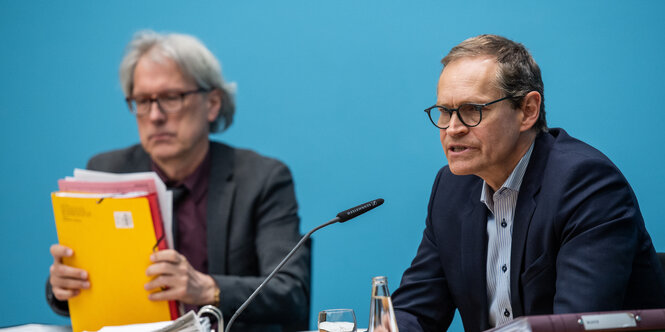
<point x="183" y="282"/>
<point x="106" y="240"/>
<point x="66" y="281"/>
<point x="112" y="238"/>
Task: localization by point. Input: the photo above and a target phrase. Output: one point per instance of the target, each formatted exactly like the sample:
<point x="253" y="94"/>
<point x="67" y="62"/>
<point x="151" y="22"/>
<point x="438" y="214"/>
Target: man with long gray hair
<point x="235" y="211"/>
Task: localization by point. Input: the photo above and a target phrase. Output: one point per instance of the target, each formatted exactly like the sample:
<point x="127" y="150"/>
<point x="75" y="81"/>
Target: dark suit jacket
<point x="578" y="244"/>
<point x="252" y="223"/>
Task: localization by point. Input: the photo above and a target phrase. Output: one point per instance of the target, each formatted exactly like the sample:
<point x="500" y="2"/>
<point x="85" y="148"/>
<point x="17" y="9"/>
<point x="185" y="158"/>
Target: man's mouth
<point x="458" y="148"/>
<point x="161" y="135"/>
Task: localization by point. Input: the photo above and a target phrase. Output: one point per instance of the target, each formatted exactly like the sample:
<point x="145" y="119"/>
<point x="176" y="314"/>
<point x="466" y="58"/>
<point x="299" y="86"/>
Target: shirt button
<point x="504" y="268"/>
<point x="504" y="224"/>
<point x="506" y="313"/>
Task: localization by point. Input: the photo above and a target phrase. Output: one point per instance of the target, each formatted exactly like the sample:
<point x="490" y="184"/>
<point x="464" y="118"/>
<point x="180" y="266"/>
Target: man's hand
<point x="178" y="280"/>
<point x="66" y="281"/>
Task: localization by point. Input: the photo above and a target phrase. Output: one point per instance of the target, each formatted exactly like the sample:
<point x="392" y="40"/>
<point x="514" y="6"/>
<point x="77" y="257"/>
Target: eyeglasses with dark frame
<point x="469" y="114"/>
<point x="168" y="102"/>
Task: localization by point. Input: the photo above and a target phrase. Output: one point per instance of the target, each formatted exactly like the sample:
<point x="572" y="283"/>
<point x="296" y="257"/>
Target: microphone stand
<point x="274" y="271"/>
<point x="341" y="217"/>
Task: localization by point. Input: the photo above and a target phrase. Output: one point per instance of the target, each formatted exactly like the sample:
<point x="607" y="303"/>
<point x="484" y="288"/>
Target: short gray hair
<point x="194" y="60"/>
<point x="518" y="72"/>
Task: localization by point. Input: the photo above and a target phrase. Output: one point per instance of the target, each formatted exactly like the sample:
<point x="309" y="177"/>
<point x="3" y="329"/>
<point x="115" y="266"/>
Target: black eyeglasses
<point x="469" y="114"/>
<point x="168" y="102"/>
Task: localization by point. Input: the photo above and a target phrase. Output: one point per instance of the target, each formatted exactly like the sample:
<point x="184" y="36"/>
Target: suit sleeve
<point x="285" y="299"/>
<point x="423" y="302"/>
<point x="602" y="236"/>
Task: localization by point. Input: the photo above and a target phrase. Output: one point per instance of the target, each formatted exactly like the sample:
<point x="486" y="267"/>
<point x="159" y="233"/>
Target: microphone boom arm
<point x="275" y="270"/>
<point x="341" y="217"/>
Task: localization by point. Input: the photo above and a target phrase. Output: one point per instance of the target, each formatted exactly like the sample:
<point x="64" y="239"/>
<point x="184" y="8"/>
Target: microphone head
<point x="358" y="210"/>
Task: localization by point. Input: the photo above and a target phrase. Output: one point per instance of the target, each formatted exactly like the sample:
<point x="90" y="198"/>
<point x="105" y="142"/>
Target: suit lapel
<point x="526" y="204"/>
<point x="524" y="209"/>
<point x="474" y="255"/>
<point x="221" y="190"/>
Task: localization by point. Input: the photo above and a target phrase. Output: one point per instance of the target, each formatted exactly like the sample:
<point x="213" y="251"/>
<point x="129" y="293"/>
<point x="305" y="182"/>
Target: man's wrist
<point x="215" y="293"/>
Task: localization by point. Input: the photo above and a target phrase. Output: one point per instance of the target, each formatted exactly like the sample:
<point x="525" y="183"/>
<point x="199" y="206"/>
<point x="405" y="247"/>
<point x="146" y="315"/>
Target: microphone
<point x="343" y="216"/>
<point x="358" y="210"/>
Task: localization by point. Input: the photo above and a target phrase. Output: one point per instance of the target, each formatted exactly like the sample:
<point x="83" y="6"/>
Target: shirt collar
<point x="513" y="182"/>
<point x="195" y="183"/>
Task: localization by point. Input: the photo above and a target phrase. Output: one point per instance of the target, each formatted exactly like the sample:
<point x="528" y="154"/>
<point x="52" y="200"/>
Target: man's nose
<point x="154" y="112"/>
<point x="456" y="127"/>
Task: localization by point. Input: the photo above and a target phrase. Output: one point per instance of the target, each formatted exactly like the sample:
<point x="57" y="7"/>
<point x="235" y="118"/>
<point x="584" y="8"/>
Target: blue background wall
<point x="335" y="89"/>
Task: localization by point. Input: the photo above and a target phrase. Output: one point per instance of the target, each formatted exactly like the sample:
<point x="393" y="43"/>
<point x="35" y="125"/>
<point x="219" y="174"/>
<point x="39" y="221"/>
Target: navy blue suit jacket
<point x="578" y="244"/>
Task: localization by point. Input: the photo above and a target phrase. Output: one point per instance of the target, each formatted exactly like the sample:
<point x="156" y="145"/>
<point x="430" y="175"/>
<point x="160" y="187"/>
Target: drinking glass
<point x="337" y="320"/>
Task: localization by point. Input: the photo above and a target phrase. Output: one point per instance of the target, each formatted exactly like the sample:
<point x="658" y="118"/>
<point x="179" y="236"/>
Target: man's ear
<point x="214" y="103"/>
<point x="530" y="110"/>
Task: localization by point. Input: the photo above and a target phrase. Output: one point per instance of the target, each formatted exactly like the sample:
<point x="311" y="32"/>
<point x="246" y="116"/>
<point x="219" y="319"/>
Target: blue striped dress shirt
<point x="501" y="205"/>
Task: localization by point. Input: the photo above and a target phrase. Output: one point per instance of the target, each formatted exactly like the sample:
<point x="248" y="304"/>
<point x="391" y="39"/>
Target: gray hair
<point x="192" y="57"/>
<point x="518" y="73"/>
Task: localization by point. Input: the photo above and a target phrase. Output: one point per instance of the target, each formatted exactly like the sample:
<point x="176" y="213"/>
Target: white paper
<point x="136" y="327"/>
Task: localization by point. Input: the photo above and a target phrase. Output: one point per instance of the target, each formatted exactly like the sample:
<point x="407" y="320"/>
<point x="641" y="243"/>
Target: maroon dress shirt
<point x="190" y="214"/>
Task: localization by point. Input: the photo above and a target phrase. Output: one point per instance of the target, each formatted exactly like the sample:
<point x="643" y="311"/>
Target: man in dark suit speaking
<point x="236" y="212"/>
<point x="524" y="220"/>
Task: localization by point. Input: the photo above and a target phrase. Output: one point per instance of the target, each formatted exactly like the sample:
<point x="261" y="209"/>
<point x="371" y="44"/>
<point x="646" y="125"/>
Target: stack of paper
<point x="114" y="222"/>
<point x="189" y="322"/>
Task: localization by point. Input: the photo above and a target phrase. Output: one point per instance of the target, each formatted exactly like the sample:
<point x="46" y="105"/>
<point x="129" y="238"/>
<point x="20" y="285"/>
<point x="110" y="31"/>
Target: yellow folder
<point x="112" y="239"/>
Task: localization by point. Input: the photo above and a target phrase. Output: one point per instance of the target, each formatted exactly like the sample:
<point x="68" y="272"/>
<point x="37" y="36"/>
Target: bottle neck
<point x="380" y="286"/>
